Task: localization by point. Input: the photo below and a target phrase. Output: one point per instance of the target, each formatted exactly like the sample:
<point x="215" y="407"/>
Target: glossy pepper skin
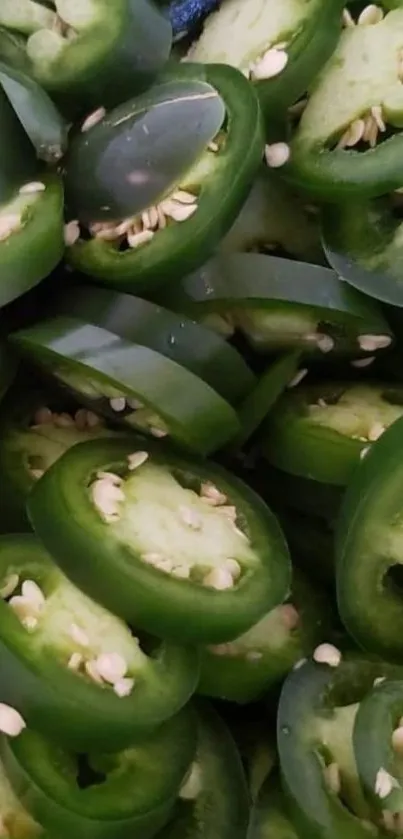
<point x="183" y="246"/>
<point x="116" y="573"/>
<point x="60" y="702"/>
<point x="368" y="547"/>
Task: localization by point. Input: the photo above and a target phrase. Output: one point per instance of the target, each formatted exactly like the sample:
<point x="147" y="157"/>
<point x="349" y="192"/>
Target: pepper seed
<point x="327" y="654"/>
<point x="277" y="155"/>
<point x="11" y="721"/>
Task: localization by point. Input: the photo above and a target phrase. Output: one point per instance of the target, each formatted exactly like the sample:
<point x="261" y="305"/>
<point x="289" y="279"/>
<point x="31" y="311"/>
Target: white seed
<point x="152" y="558"/>
<point x="192" y="785"/>
<point x="348" y="19"/>
<point x="190" y="517"/>
<point x="184" y="197"/>
<point x="233" y="567"/>
<point x="123" y="687"/>
<point x="31" y="591"/>
<point x="254" y="655"/>
<point x="377" y="114"/>
<point x="219" y="578"/>
<point x="111" y="667"/>
<point x="370" y="343"/>
<point x="93" y="119"/>
<point x="43" y="416"/>
<point x="10" y="584"/>
<point x="289" y="615"/>
<point x="134" y="240"/>
<point x="364" y="452"/>
<point x="106" y="497"/>
<point x="135" y="404"/>
<point x="213" y="146"/>
<point x="379" y="681"/>
<point x="80" y="419"/>
<point x="376" y="431"/>
<point x="9" y="224"/>
<point x="270" y="65"/>
<point x="212" y="494"/>
<point x="71" y="233"/>
<point x="363" y="362"/>
<point x="78" y="635"/>
<point x="241" y="534"/>
<point x="22" y="607"/>
<point x="370" y="15"/>
<point x="11" y="721"/>
<point x="30" y="623"/>
<point x="325" y="343"/>
<point x="75" y="661"/>
<point x="333" y="779"/>
<point x="116" y="480"/>
<point x="177" y="211"/>
<point x="63" y="420"/>
<point x="397" y="740"/>
<point x="32" y="188"/>
<point x="327" y="654"/>
<point x="298" y="378"/>
<point x="299" y="664"/>
<point x="354" y="133"/>
<point x="92" y="671"/>
<point x="93" y="420"/>
<point x="384" y="783"/>
<point x="181" y="572"/>
<point x="277" y="155"/>
<point x="118" y="403"/>
<point x="36" y="473"/>
<point x="137" y="459"/>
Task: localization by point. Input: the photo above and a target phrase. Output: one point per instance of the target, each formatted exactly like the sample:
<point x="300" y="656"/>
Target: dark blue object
<point x="185" y="15"/>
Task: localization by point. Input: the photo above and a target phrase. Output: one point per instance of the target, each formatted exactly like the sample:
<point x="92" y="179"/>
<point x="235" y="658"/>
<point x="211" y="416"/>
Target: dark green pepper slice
<point x="188" y="550"/>
<point x="280" y="304"/>
<point x="269" y="816"/>
<point x="214" y="800"/>
<point x="126" y="794"/>
<point x="18" y="161"/>
<point x="244" y="669"/>
<point x="71" y="669"/>
<point x="35" y="429"/>
<point x="311" y="498"/>
<point x="369" y="552"/>
<point x="280" y="47"/>
<point x="322" y="431"/>
<point x="182" y="340"/>
<point x="316" y="716"/>
<point x="88" y="51"/>
<point x="16" y="821"/>
<point x="36" y="112"/>
<point x="352" y="102"/>
<point x="130" y="382"/>
<point x="181" y="233"/>
<point x="310" y="539"/>
<point x="362" y="241"/>
<point x="8" y="368"/>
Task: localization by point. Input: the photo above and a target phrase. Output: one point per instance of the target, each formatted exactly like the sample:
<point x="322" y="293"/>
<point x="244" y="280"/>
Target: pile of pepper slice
<point x="201" y="419"/>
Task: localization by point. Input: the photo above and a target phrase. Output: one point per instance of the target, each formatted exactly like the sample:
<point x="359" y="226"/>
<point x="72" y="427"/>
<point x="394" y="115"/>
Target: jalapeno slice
<point x="368" y="549"/>
<point x="182" y="340"/>
<point x="176" y="236"/>
<point x="317" y="712"/>
<point x="280" y="48"/>
<point x="350" y="106"/>
<point x="73" y="670"/>
<point x="214" y="799"/>
<point x="128" y="793"/>
<point x="35" y="429"/>
<point x="16" y="821"/>
<point x="86" y="51"/>
<point x="187" y="548"/>
<point x="280" y="304"/>
<point x="322" y="431"/>
<point x="244" y="669"/>
<point x="129" y="382"/>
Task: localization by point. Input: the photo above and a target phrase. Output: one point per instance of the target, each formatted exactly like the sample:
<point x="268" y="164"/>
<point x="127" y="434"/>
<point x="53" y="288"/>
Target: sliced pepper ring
<point x="195" y="347"/>
<point x="322" y="431"/>
<point x="131" y="383"/>
<point x="128" y="793"/>
<point x="53" y="640"/>
<point x="219" y="183"/>
<point x="187" y="551"/>
<point x="369" y="552"/>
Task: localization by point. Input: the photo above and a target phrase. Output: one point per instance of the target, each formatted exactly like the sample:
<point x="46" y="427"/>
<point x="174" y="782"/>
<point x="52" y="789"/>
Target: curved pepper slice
<point x="244" y="669"/>
<point x="16" y="821"/>
<point x="102" y="796"/>
<point x="32" y="436"/>
<point x="182" y="340"/>
<point x="369" y="550"/>
<point x="89" y="51"/>
<point x="280" y="47"/>
<point x="180" y="233"/>
<point x="74" y="671"/>
<point x="363" y="243"/>
<point x="131" y="383"/>
<point x="322" y="431"/>
<point x="31" y="234"/>
<point x="279" y="304"/>
<point x="317" y="711"/>
<point x="185" y="551"/>
<point x="214" y="799"/>
<point x="352" y="103"/>
<point x="269" y="817"/>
